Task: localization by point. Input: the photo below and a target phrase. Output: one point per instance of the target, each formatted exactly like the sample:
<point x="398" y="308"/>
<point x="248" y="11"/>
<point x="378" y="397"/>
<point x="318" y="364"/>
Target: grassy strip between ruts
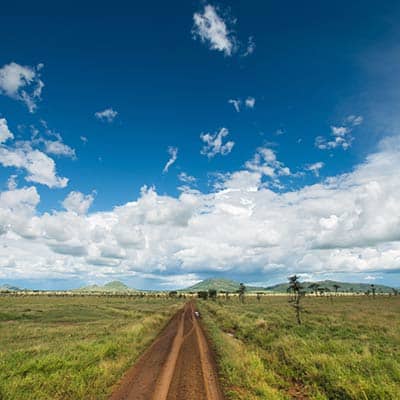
<point x="347" y="348"/>
<point x="73" y="348"/>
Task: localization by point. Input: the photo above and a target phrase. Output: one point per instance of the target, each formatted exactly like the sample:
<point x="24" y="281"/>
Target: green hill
<point x="225" y="285"/>
<point x="343" y="287"/>
<point x="114" y="286"/>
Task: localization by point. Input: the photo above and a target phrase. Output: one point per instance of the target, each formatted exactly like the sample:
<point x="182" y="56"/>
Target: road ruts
<point x="179" y="365"/>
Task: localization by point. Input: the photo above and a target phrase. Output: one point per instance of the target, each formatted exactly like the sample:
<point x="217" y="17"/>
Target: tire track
<point x="177" y="366"/>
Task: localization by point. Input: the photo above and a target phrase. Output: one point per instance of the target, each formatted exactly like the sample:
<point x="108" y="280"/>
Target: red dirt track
<point x="177" y="366"/>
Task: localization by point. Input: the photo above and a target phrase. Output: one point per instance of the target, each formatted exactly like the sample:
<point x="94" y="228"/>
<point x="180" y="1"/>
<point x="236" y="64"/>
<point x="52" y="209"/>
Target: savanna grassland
<point x="73" y="347"/>
<point x="346" y="348"/>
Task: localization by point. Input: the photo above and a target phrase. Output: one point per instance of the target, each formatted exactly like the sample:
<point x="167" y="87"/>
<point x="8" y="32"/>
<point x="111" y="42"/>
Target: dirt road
<point x="177" y="366"/>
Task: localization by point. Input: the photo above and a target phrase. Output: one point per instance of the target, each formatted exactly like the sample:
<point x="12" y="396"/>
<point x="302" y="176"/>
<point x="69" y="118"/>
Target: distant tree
<point x="314" y="288"/>
<point x="297" y="293"/>
<point x="336" y="287"/>
<point x="212" y="294"/>
<point x="202" y="295"/>
<point x="258" y="297"/>
<point x="173" y="293"/>
<point x="241" y="291"/>
<point x="373" y="289"/>
<point x="395" y="291"/>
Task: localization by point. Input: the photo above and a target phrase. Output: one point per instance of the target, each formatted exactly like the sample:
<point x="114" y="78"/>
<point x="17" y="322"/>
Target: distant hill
<point x="343" y="287"/>
<point x="226" y="285"/>
<point x="114" y="286"/>
<point x="9" y="288"/>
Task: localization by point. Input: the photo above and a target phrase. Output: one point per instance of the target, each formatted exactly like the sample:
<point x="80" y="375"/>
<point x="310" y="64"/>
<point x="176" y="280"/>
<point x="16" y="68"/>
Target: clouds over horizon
<point x="346" y="223"/>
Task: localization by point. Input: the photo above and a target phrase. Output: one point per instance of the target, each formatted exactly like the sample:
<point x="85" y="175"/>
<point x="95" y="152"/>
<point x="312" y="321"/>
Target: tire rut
<point x="177" y="366"/>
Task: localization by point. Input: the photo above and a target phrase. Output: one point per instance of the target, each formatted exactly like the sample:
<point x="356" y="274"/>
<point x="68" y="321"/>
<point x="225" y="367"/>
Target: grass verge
<point x="73" y="348"/>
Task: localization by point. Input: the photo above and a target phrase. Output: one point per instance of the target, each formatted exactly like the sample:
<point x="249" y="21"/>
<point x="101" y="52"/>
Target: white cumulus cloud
<point x="345" y="223"/>
<point x="57" y="147"/>
<point x="40" y="168"/>
<point x="78" y="202"/>
<point x="107" y="115"/>
<point x="250" y="102"/>
<point x="266" y="163"/>
<point x="214" y="143"/>
<point x="315" y="167"/>
<point x="211" y="28"/>
<point x="5" y="133"/>
<point x="341" y="136"/>
<point x="22" y="83"/>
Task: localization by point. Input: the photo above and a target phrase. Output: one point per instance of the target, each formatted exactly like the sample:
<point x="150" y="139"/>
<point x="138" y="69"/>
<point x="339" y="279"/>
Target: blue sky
<point x="284" y="99"/>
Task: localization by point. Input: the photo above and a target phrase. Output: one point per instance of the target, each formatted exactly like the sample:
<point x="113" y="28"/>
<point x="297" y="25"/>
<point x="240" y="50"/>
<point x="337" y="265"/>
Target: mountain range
<point x="228" y="285"/>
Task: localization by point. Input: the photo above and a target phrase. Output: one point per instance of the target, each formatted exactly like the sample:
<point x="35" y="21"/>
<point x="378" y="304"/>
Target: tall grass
<point x="73" y="348"/>
<point x="348" y="348"/>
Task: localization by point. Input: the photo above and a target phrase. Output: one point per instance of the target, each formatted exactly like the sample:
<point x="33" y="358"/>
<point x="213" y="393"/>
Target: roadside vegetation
<point x="346" y="347"/>
<point x="74" y="347"/>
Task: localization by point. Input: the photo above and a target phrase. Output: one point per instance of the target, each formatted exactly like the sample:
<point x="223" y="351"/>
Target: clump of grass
<point x="345" y="349"/>
<point x="73" y="348"/>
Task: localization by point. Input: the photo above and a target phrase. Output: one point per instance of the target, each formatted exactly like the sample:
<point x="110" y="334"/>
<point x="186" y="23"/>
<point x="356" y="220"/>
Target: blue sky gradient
<point x="313" y="67"/>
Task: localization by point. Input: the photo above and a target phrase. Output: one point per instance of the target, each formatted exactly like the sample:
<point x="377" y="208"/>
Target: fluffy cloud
<point x="77" y="202"/>
<point x="346" y="223"/>
<point x="22" y="83"/>
<point x="266" y="163"/>
<point x="341" y="136"/>
<point x="39" y="167"/>
<point x="250" y="102"/>
<point x="184" y="177"/>
<point x="173" y="155"/>
<point x="214" y="143"/>
<point x="107" y="115"/>
<point x="5" y="133"/>
<point x="211" y="28"/>
<point x="354" y="120"/>
<point x="315" y="168"/>
<point x="57" y="147"/>
<point x="216" y="29"/>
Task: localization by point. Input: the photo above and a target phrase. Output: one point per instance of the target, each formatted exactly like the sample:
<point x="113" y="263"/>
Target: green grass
<point x="73" y="348"/>
<point x="346" y="349"/>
